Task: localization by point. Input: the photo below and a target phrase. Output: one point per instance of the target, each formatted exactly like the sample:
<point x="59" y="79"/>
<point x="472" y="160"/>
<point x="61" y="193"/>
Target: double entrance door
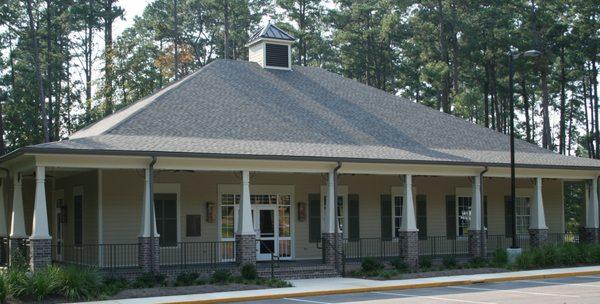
<point x="267" y="227"/>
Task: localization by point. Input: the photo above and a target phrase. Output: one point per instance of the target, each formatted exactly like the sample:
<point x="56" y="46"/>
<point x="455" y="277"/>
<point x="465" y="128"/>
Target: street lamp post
<point x="511" y="71"/>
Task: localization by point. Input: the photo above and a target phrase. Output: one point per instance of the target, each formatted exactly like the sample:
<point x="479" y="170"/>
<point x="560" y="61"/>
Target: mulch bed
<point x="182" y="290"/>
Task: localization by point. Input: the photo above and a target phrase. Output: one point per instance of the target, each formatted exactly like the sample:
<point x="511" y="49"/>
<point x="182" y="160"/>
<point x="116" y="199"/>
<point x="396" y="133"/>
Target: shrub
<point x="249" y="272"/>
<point x="449" y="262"/>
<point x="113" y="285"/>
<point x="79" y="283"/>
<point x="2" y="287"/>
<point x="17" y="283"/>
<point x="20" y="261"/>
<point x="500" y="257"/>
<point x="149" y="280"/>
<point x="44" y="283"/>
<point x="221" y="276"/>
<point x="400" y="265"/>
<point x="425" y="263"/>
<point x="186" y="279"/>
<point x="477" y="262"/>
<point x="370" y="265"/>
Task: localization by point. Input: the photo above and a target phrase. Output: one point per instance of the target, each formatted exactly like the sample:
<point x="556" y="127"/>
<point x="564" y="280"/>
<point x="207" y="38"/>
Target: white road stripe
<point x="515" y="291"/>
<point x="558" y="283"/>
<point x="306" y="301"/>
<point x="431" y="297"/>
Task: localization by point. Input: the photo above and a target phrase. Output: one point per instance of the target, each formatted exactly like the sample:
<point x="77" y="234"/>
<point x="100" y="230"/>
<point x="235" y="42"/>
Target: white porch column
<point x="3" y="218"/>
<point x="40" y="214"/>
<point x="476" y="205"/>
<point x="330" y="225"/>
<point x="538" y="219"/>
<point x="146" y="209"/>
<point x="409" y="220"/>
<point x="245" y="226"/>
<point x="592" y="205"/>
<point x="17" y="228"/>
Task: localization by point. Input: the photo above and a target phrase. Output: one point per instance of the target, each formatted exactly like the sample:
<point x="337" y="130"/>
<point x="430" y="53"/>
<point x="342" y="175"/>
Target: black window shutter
<point x="314" y="217"/>
<point x="485" y="217"/>
<point x="508" y="223"/>
<point x="353" y="217"/>
<point x="422" y="216"/>
<point x="451" y="217"/>
<point x="386" y="217"/>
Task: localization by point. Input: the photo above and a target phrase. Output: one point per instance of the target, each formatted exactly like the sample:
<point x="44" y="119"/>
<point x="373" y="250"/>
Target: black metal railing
<point x="108" y="256"/>
<point x="275" y="259"/>
<point x="371" y="247"/>
<point x="197" y="254"/>
<point x="3" y="251"/>
<point x="495" y="241"/>
<point x="439" y="246"/>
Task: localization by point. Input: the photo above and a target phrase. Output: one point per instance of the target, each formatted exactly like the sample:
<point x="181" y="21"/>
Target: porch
<point x="202" y="220"/>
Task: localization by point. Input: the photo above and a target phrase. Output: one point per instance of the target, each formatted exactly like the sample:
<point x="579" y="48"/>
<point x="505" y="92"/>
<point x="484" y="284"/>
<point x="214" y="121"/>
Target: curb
<point x="388" y="288"/>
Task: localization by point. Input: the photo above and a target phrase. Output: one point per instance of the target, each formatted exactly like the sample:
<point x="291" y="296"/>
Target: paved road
<point x="582" y="289"/>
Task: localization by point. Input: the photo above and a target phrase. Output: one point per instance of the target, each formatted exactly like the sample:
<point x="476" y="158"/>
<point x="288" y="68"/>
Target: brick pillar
<point x="245" y="249"/>
<point x="538" y="237"/>
<point x="409" y="248"/>
<point x="477" y="243"/>
<point x="149" y="254"/>
<point x="332" y="249"/>
<point x="40" y="255"/>
<point x="590" y="235"/>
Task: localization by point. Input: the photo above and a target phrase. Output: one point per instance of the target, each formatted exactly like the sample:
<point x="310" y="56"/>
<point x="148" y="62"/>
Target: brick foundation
<point x="538" y="237"/>
<point x="477" y="243"/>
<point x="149" y="254"/>
<point x="245" y="249"/>
<point x="409" y="248"/>
<point x="332" y="249"/>
<point x="40" y="255"/>
<point x="590" y="235"/>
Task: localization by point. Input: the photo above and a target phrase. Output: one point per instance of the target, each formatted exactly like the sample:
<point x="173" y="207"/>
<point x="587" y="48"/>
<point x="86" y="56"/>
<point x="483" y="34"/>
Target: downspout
<point x="152" y="219"/>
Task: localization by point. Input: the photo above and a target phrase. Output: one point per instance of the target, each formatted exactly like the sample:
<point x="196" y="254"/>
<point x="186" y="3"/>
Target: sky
<point x="132" y="8"/>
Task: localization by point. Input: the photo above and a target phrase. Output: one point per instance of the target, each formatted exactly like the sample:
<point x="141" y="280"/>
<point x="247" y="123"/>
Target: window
<point x="523" y="214"/>
<point x="228" y="202"/>
<point x="398" y="202"/>
<point x="78" y="219"/>
<point x="340" y="215"/>
<point x="165" y="207"/>
<point x="464" y="215"/>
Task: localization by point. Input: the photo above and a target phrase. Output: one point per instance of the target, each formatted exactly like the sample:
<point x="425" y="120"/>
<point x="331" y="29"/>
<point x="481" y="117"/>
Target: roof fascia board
<point x="297" y="166"/>
<point x="270" y="40"/>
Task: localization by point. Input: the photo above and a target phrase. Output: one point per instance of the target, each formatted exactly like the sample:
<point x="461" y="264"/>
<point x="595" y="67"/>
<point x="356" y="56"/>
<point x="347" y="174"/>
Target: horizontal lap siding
<point x="123" y="191"/>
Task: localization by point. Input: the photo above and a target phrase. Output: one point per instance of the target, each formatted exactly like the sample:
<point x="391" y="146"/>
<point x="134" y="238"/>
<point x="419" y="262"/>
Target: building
<point x="262" y="160"/>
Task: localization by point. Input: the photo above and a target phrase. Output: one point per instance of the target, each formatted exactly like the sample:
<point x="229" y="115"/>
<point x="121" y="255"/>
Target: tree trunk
<point x="176" y="40"/>
<point x="563" y="104"/>
<point x="526" y="108"/>
<point x="225" y="29"/>
<point x="108" y="57"/>
<point x="38" y="72"/>
<point x="49" y="67"/>
<point x="486" y="100"/>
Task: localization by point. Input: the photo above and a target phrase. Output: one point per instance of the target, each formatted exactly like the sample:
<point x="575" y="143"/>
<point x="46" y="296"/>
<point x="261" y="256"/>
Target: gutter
<point x="25" y="150"/>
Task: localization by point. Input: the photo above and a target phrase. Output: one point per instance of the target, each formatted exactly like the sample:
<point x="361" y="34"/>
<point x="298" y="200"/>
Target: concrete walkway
<point x="314" y="287"/>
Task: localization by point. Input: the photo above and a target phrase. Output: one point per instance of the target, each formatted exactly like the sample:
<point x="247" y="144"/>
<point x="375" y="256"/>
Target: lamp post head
<point x="532" y="53"/>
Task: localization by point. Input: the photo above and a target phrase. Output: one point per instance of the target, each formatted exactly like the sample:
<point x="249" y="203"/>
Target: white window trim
<point x="78" y="191"/>
<point x="236" y="189"/>
<point x="342" y="190"/>
<point x="399" y="191"/>
<point x="170" y="188"/>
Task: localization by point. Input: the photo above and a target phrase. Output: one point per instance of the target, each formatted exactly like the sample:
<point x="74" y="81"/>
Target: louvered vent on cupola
<point x="271" y="48"/>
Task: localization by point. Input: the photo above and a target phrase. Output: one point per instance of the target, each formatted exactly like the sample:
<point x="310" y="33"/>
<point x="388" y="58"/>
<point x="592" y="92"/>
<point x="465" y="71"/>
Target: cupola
<point x="271" y="48"/>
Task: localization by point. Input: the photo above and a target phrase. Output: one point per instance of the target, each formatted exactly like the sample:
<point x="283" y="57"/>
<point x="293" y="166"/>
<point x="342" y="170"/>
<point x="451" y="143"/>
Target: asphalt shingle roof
<point x="238" y="108"/>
